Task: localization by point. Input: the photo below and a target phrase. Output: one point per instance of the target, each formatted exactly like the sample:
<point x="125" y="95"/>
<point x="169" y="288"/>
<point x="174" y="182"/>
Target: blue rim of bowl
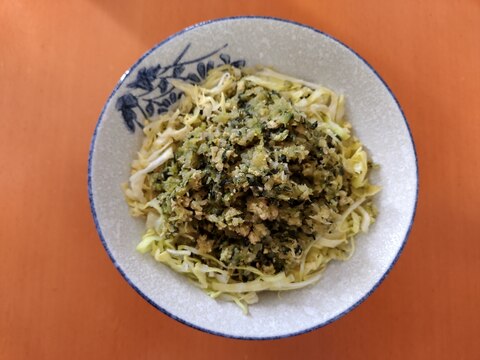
<point x="158" y="307"/>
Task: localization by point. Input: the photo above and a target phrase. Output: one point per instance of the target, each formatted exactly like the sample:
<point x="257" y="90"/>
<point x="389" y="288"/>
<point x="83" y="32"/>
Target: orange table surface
<point x="61" y="297"/>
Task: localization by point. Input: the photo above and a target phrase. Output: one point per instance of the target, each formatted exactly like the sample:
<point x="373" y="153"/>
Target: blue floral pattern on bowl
<point x="152" y="93"/>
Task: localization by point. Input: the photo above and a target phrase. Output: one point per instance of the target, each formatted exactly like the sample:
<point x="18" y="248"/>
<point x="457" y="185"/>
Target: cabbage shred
<point x="252" y="182"/>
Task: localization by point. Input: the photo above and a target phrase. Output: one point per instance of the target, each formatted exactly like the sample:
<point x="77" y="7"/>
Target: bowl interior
<point x="298" y="51"/>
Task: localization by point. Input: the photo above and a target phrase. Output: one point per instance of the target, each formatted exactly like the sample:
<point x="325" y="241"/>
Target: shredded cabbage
<point x="253" y="181"/>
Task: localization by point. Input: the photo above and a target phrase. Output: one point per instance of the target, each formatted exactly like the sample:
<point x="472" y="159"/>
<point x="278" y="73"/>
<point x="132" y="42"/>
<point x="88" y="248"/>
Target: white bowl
<point x="296" y="50"/>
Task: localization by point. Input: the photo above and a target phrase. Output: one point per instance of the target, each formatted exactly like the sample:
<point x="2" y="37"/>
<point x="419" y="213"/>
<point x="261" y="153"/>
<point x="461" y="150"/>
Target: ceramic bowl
<point x="295" y="49"/>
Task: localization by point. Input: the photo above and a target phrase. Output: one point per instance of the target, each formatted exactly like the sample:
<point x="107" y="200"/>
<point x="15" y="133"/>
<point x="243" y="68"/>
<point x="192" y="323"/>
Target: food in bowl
<point x="252" y="181"/>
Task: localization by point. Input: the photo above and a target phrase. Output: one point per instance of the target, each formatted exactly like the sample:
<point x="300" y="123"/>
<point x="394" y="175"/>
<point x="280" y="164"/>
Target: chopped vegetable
<point x="252" y="182"/>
